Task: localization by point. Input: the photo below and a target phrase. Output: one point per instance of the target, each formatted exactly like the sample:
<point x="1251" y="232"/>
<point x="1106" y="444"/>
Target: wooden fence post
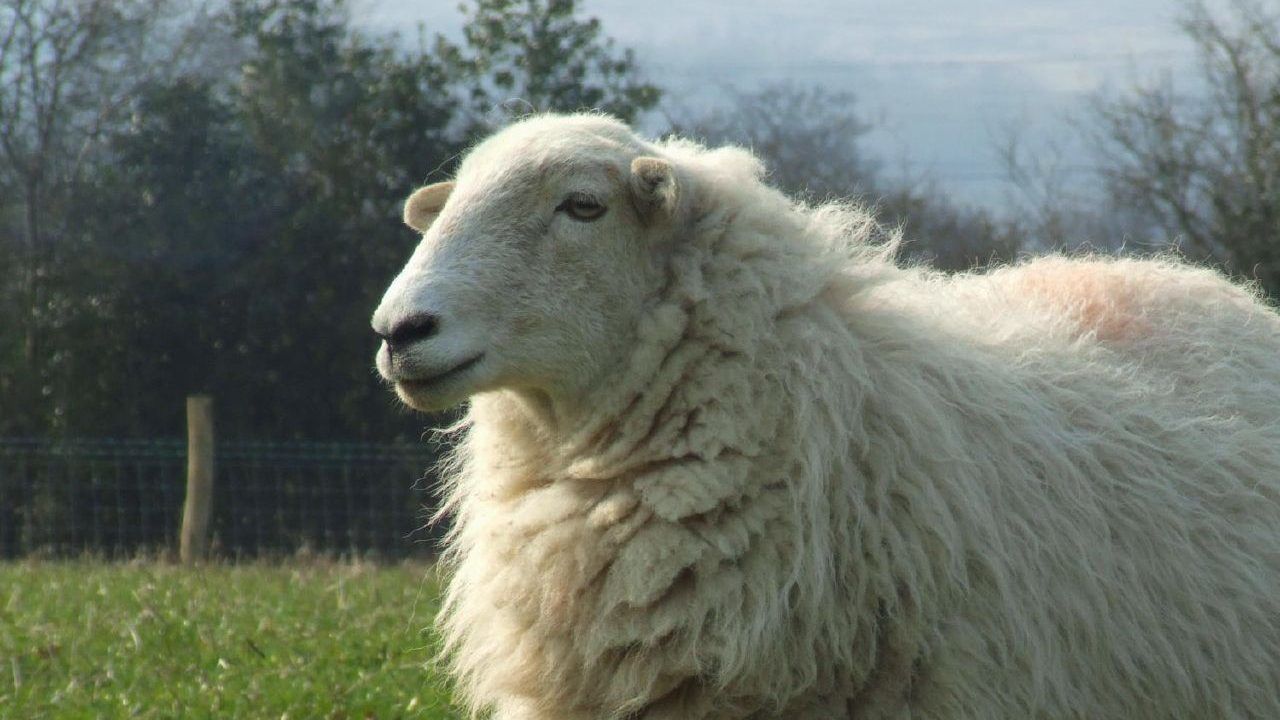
<point x="194" y="542"/>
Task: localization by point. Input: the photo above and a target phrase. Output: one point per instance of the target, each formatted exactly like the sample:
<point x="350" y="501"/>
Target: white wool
<point x="815" y="484"/>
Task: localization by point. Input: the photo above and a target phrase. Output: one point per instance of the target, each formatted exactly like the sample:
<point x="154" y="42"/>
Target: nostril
<point x="412" y="329"/>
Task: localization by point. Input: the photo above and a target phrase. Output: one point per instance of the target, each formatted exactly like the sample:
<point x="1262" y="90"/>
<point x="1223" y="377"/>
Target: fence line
<point x="121" y="498"/>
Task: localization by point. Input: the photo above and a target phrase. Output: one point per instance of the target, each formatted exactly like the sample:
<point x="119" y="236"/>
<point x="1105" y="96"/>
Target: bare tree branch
<point x="1204" y="165"/>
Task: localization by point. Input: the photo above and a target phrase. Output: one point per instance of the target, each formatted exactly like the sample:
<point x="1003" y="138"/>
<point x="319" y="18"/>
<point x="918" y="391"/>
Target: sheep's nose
<point x="410" y="330"/>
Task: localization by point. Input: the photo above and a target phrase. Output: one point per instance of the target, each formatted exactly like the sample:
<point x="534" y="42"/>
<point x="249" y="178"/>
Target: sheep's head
<point x="534" y="265"/>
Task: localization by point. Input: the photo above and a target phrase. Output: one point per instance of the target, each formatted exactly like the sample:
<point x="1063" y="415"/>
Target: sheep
<point x="724" y="457"/>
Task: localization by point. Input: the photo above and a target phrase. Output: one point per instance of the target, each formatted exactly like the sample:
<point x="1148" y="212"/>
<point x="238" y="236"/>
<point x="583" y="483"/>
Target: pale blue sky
<point x="942" y="81"/>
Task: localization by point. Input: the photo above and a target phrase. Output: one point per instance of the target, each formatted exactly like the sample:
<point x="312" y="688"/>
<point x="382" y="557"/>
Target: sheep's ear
<point x="422" y="207"/>
<point x="653" y="185"/>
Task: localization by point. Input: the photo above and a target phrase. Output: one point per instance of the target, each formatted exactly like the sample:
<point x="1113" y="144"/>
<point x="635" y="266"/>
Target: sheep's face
<point x="533" y="268"/>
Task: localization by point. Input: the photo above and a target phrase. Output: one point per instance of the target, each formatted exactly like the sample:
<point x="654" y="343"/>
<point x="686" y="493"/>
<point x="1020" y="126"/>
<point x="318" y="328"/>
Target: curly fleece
<point x="823" y="485"/>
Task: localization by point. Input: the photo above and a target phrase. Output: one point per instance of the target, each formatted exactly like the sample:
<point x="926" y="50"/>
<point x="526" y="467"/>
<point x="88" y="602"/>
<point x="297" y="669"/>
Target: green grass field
<point x="151" y="640"/>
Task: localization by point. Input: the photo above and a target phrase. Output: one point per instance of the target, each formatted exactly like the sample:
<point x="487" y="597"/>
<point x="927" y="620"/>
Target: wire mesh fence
<point x="123" y="498"/>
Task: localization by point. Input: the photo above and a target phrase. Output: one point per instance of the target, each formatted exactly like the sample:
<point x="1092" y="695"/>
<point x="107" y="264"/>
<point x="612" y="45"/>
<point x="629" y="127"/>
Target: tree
<point x="521" y="56"/>
<point x="251" y="225"/>
<point x="65" y="69"/>
<point x="223" y="231"/>
<point x="947" y="235"/>
<point x="346" y="124"/>
<point x="1203" y="165"/>
<point x="808" y="138"/>
<point x="170" y="225"/>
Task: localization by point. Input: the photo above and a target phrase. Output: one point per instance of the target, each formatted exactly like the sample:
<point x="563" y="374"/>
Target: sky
<point x="943" y="83"/>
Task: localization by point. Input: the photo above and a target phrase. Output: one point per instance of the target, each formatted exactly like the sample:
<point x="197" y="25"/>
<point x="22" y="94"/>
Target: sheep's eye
<point x="582" y="208"/>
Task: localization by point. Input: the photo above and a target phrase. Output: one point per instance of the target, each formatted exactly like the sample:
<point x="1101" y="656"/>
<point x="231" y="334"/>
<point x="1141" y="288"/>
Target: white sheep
<point x="725" y="459"/>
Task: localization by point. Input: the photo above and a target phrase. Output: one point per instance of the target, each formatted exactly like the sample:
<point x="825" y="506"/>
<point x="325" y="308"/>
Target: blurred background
<point x="200" y="208"/>
<point x="205" y="199"/>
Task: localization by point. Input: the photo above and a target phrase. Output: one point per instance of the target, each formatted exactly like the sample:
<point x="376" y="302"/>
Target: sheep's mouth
<point x="424" y="384"/>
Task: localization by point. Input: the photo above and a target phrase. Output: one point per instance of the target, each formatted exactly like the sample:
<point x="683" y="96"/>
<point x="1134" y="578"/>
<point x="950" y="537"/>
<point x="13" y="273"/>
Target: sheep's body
<point x="823" y="486"/>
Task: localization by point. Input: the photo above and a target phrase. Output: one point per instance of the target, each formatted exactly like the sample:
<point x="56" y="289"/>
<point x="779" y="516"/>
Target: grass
<point x="150" y="640"/>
